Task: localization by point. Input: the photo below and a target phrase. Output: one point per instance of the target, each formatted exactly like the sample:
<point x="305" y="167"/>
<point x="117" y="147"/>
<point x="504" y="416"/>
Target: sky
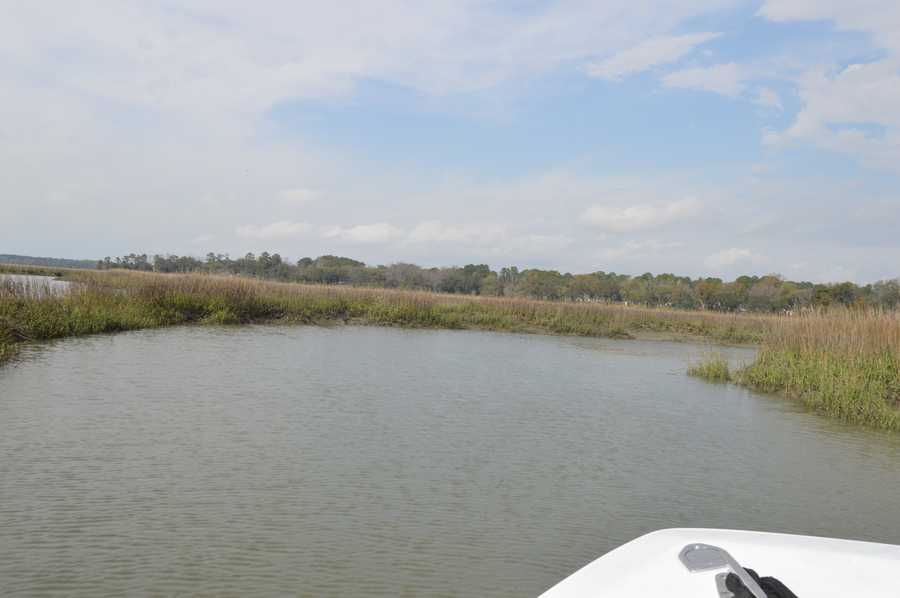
<point x="700" y="137"/>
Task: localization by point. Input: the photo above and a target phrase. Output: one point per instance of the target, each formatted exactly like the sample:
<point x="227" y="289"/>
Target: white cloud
<point x="187" y="101"/>
<point x="202" y="240"/>
<point x="379" y="232"/>
<point x="284" y="229"/>
<point x="623" y="219"/>
<point x="297" y="197"/>
<point x="653" y="52"/>
<point x="839" y="273"/>
<point x="860" y="93"/>
<point x="725" y="79"/>
<point x="854" y="111"/>
<point x="435" y="231"/>
<point x="733" y="256"/>
<point x="640" y="248"/>
<point x="880" y="18"/>
<point x="487" y="239"/>
<point x="840" y="107"/>
<point x="239" y="57"/>
<point x="769" y="98"/>
<point x="542" y="243"/>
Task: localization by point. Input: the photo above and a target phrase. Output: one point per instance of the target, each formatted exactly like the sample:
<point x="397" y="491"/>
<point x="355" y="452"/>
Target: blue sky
<point x="704" y="137"/>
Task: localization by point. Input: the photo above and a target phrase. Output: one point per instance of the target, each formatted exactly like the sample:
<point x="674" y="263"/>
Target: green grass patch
<point x="712" y="369"/>
<point x="7" y="351"/>
<point x="854" y="388"/>
<point x="32" y="270"/>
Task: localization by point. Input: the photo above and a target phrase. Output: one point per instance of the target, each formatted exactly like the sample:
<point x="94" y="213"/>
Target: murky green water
<point x="378" y="462"/>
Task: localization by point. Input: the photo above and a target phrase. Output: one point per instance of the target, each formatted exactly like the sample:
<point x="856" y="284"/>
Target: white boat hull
<point x="811" y="567"/>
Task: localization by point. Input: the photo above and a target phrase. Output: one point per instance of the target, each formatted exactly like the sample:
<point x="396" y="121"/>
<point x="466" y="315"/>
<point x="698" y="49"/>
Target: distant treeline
<point x="768" y="293"/>
<point x="50" y="262"/>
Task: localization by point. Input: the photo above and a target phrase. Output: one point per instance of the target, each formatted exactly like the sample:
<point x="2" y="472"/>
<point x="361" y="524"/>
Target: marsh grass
<point x="712" y="369"/>
<point x="8" y="350"/>
<point x="33" y="270"/>
<point x="842" y="363"/>
<point x="110" y="301"/>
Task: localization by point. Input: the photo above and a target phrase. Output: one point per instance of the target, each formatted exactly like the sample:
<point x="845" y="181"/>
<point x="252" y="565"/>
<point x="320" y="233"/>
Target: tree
<point x="707" y="291"/>
<point x="490" y="285"/>
<point x="886" y="293"/>
<point x="844" y="293"/>
<point x="507" y="280"/>
<point x="766" y="293"/>
<point x="584" y="287"/>
<point x="541" y="284"/>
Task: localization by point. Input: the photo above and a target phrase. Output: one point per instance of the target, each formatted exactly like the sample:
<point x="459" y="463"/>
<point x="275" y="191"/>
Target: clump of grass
<point x="7" y="351"/>
<point x="841" y="363"/>
<point x="712" y="369"/>
<point x="8" y="341"/>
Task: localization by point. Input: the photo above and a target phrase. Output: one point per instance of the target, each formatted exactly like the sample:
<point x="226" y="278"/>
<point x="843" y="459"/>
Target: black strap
<point x="771" y="586"/>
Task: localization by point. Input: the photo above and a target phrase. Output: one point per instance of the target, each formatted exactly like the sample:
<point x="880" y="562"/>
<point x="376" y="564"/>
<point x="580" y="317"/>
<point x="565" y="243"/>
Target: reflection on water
<point x="380" y="462"/>
<point x="36" y="285"/>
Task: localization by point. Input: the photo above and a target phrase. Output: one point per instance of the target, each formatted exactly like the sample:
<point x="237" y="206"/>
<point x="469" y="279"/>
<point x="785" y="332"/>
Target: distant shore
<point x="842" y="363"/>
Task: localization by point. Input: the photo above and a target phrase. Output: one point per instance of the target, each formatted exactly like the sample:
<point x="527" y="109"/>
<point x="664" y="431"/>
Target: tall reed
<point x="108" y="301"/>
<point x="843" y="363"/>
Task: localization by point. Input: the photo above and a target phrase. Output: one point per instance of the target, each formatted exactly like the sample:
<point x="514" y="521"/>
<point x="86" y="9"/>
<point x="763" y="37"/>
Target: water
<point x="379" y="462"/>
<point x="37" y="285"/>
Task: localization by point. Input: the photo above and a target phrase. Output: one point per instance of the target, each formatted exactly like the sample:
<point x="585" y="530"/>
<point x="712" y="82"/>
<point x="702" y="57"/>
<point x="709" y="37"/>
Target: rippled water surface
<point x="378" y="462"/>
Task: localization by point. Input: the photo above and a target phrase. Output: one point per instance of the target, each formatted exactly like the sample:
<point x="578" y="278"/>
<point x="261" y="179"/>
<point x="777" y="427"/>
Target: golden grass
<point x="108" y="301"/>
<point x="424" y="308"/>
<point x="35" y="270"/>
<point x="843" y="363"/>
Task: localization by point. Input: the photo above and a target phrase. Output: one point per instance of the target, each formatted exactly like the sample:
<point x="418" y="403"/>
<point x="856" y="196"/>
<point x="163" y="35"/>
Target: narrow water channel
<point x="350" y="461"/>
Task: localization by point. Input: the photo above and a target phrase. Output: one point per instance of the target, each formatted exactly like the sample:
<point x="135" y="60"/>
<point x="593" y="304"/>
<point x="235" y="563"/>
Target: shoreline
<point x="842" y="363"/>
<point x="117" y="300"/>
<point x="685" y="338"/>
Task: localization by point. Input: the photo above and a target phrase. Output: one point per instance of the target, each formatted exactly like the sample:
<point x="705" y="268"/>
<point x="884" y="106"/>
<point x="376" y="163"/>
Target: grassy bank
<point x="33" y="270"/>
<point x="844" y="364"/>
<point x="109" y="301"/>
